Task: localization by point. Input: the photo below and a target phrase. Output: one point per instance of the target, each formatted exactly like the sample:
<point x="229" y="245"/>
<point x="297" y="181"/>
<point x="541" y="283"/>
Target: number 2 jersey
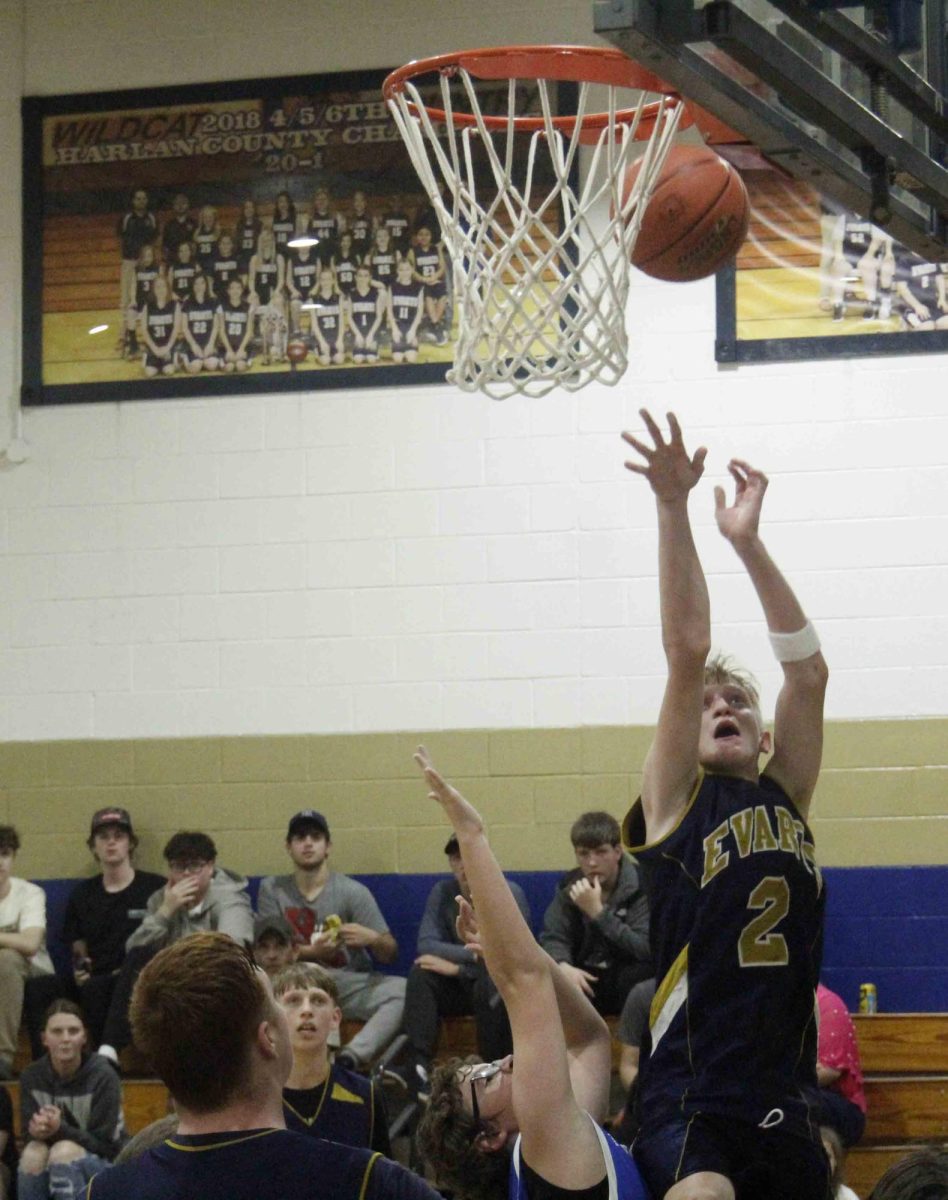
<point x="736" y="906"/>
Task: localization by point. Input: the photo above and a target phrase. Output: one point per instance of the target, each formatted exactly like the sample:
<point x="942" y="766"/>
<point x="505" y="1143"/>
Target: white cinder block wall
<point x="419" y="558"/>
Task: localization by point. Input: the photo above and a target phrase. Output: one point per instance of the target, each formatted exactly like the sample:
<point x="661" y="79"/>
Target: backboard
<point x="850" y="98"/>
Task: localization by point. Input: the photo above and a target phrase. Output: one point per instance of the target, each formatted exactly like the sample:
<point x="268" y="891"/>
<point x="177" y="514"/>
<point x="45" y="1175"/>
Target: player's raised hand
<point x="739" y="522"/>
<point x="669" y="468"/>
<point x="460" y="812"/>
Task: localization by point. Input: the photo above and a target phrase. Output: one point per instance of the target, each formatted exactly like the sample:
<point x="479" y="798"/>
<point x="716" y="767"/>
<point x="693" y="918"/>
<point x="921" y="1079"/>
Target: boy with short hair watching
<point x="324" y="1099"/>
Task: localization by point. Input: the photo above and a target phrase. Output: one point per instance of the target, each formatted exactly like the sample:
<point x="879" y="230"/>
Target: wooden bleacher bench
<point x="905" y="1063"/>
<point x="459" y="1038"/>
<point x="785" y="223"/>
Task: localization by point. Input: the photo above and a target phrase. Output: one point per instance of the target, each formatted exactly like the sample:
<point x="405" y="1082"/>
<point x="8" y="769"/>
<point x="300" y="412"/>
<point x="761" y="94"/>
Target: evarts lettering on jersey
<point x="752" y="831"/>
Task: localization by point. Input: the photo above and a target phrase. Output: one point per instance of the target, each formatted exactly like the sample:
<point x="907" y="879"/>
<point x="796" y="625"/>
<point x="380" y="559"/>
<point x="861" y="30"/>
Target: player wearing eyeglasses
<point x="524" y="1125"/>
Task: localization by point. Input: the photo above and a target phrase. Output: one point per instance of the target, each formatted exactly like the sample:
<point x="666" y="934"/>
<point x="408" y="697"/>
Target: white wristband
<point x="794" y="647"/>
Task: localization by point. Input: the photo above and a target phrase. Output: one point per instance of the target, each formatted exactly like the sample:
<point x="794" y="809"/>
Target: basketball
<point x="296" y="351"/>
<point x="696" y="219"/>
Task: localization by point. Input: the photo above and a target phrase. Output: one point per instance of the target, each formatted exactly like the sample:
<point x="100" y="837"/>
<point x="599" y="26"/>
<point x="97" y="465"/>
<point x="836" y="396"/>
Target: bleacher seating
<point x="905" y="1062"/>
<point x="785" y="223"/>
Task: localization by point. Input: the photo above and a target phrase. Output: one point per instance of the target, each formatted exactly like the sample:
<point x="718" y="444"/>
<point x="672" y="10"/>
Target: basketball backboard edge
<point x="817" y="94"/>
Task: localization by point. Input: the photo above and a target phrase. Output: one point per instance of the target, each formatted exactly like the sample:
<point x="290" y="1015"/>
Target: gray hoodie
<point x="90" y="1103"/>
<point x="225" y="908"/>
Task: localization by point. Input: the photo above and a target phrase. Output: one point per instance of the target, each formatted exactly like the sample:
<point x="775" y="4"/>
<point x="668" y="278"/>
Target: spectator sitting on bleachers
<point x="22" y="944"/>
<point x="448" y="979"/>
<point x="920" y="1176"/>
<point x="198" y="896"/>
<point x="275" y="945"/>
<point x="70" y="1111"/>
<point x="840" y="1097"/>
<point x="321" y="1099"/>
<point x="101" y="915"/>
<point x="341" y="927"/>
<point x="596" y="928"/>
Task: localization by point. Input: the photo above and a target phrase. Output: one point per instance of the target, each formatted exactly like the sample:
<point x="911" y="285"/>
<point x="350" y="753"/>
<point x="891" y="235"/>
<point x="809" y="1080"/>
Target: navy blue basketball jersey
<point x="266" y="272"/>
<point x="857" y="237"/>
<point x="365" y="309"/>
<point x="407" y="299"/>
<point x="301" y="273"/>
<point x="428" y="262"/>
<point x="736" y="907"/>
<point x="223" y="270"/>
<point x="260" y="1164"/>
<point x="144" y="278"/>
<point x="918" y="276"/>
<point x="205" y="245"/>
<point x="344" y="1108"/>
<point x="199" y="319"/>
<point x="284" y="229"/>
<point x="360" y="226"/>
<point x="382" y="264"/>
<point x="345" y="271"/>
<point x="160" y="322"/>
<point x="246" y="235"/>
<point x="181" y="277"/>
<point x="398" y="224"/>
<point x="324" y="227"/>
<point x="327" y="315"/>
<point x="234" y="322"/>
<point x="622" y="1182"/>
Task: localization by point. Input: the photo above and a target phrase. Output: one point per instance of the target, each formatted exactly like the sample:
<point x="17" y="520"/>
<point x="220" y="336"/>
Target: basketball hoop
<point x="540" y="263"/>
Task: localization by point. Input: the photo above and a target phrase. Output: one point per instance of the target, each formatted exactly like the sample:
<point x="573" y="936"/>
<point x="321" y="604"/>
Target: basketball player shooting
<point x="736" y="895"/>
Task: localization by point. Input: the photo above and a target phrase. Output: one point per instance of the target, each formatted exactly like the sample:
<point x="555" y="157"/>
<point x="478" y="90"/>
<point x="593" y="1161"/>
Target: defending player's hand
<point x="460" y="812"/>
<point x="740" y="521"/>
<point x="671" y="471"/>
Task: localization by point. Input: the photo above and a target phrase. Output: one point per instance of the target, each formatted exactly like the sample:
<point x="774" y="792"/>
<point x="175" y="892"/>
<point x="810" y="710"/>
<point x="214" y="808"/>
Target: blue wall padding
<point x="884" y="925"/>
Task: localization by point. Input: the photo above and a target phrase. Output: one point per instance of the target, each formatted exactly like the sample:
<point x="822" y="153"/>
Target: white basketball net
<point x="540" y="287"/>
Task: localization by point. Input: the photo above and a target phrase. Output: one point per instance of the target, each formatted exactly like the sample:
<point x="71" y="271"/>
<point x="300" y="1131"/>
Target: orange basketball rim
<point x="539" y="244"/>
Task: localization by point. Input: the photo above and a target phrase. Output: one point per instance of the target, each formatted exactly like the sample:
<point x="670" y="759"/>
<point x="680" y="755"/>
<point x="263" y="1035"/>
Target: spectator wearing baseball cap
<point x="275" y="944"/>
<point x="101" y="915"/>
<point x="339" y="925"/>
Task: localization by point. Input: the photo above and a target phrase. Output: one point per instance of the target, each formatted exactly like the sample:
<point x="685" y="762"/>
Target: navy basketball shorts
<point x="762" y="1164"/>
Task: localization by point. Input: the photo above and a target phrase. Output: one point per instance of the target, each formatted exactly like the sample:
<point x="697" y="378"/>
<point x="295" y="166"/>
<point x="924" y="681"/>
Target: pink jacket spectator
<point x="837" y="1047"/>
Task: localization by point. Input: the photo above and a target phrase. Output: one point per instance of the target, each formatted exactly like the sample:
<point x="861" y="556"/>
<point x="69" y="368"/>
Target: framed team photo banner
<point x="815" y="281"/>
<point x="253" y="236"/>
